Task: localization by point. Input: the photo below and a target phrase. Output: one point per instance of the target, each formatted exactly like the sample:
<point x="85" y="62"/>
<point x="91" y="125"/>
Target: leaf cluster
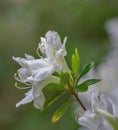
<point x="69" y="83"/>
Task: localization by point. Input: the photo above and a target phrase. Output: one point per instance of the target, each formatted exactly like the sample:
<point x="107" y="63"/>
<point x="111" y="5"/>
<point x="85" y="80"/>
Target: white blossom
<point x="37" y="73"/>
<point x="53" y="50"/>
<point x="91" y="119"/>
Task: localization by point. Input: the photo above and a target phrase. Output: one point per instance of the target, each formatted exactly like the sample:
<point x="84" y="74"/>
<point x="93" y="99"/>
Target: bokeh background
<point x="22" y="23"/>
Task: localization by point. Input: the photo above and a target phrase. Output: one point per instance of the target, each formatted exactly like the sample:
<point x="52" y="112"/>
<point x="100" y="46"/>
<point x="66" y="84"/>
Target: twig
<point x="79" y="101"/>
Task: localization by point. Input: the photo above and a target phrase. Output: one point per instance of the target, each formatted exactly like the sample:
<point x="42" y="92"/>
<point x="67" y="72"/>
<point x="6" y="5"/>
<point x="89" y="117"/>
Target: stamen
<point x="41" y="50"/>
<point x="81" y="114"/>
<point x="16" y="85"/>
<point x="17" y="78"/>
<point x="39" y="53"/>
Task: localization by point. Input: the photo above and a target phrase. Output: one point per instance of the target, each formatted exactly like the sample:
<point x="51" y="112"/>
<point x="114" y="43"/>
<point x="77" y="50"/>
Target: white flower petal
<point x="89" y="120"/>
<point x="23" y="74"/>
<point x="31" y="64"/>
<point x="39" y="101"/>
<point x="92" y="121"/>
<point x="100" y="101"/>
<point x="53" y="44"/>
<point x="29" y="57"/>
<point x="113" y="120"/>
<point x="28" y="98"/>
<point x="40" y="74"/>
<point x="59" y="54"/>
<point x="54" y="39"/>
<point x="39" y="98"/>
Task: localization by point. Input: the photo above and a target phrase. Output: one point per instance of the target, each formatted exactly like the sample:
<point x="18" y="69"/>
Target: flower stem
<point x="79" y="101"/>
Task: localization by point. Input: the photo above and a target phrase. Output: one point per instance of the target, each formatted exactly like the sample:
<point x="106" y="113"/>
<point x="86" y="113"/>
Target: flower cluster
<point x="37" y="73"/>
<point x="50" y="72"/>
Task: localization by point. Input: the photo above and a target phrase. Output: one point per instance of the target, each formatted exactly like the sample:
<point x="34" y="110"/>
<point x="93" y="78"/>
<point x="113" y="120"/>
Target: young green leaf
<point x="81" y="88"/>
<point x="64" y="80"/>
<point x="86" y="69"/>
<point x="60" y="111"/>
<point x="52" y="87"/>
<point x="75" y="63"/>
<point x="53" y="99"/>
<point x="92" y="81"/>
<point x="84" y="86"/>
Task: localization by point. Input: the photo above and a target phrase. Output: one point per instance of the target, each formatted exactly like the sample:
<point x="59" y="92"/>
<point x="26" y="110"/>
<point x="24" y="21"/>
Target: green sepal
<point x="84" y="86"/>
<point x="86" y="69"/>
<point x="60" y="111"/>
<point x="75" y="63"/>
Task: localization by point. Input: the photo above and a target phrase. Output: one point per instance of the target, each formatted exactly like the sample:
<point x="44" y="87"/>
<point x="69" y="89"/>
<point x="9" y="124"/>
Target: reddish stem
<point x="79" y="101"/>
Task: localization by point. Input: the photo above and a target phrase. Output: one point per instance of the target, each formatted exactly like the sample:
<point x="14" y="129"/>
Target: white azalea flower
<point x="91" y="119"/>
<point x="38" y="69"/>
<point x="52" y="48"/>
<point x="110" y="112"/>
<point x="38" y="72"/>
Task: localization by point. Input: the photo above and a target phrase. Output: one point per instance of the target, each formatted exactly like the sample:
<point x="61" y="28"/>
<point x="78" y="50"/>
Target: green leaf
<point x="84" y="86"/>
<point x="60" y="111"/>
<point x="92" y="81"/>
<point x="75" y="63"/>
<point x="86" y="69"/>
<point x="64" y="80"/>
<point x="52" y="87"/>
<point x="81" y="88"/>
<point x="52" y="100"/>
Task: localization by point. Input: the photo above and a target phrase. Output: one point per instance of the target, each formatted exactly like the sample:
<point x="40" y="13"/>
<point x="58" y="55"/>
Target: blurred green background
<point x="22" y="23"/>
